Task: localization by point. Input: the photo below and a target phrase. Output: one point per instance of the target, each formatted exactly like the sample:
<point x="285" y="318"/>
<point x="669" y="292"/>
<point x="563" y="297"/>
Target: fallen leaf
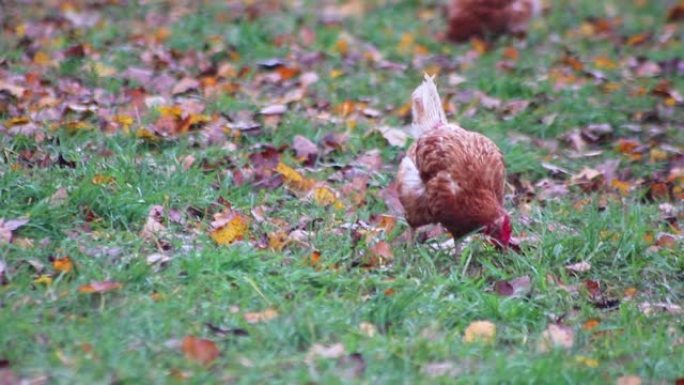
<point x="480" y="331"/>
<point x="262" y="316"/>
<point x="628" y="380"/>
<point x="579" y="267"/>
<point x="516" y="287"/>
<point x="3" y="267"/>
<point x="590" y="362"/>
<point x="43" y="279"/>
<point x="8" y="227"/>
<point x="368" y="329"/>
<point x="275" y="109"/>
<point x="229" y="227"/>
<point x="277" y="240"/>
<point x="293" y="179"/>
<point x="325" y="351"/>
<point x="556" y="336"/>
<point x="591" y="324"/>
<point x="99" y="287"/>
<point x="63" y="265"/>
<point x="153" y="227"/>
<point x="305" y="150"/>
<point x="440" y="369"/>
<point x="394" y="136"/>
<point x="200" y="350"/>
<point x="649" y="308"/>
<point x="324" y="196"/>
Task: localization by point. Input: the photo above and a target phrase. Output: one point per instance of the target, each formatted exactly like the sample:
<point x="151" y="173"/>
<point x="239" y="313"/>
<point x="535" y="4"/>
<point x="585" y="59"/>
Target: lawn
<point x="201" y="192"/>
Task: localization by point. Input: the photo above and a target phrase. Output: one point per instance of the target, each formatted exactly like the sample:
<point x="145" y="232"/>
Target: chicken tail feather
<point x="426" y="107"/>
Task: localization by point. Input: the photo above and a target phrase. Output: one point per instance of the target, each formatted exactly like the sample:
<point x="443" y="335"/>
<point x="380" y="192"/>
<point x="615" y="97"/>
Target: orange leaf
<point x="200" y="350"/>
<point x="480" y="331"/>
<point x="605" y="63"/>
<point x="315" y="258"/>
<point x="622" y="186"/>
<point x="99" y="287"/>
<point x="511" y="53"/>
<point x="480" y="46"/>
<point x="591" y="324"/>
<point x="287" y="73"/>
<point x="262" y="316"/>
<point x="63" y="265"/>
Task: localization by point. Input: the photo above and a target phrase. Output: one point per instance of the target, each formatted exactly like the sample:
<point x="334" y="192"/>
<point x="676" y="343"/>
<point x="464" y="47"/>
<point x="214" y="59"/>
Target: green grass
<point x="420" y="303"/>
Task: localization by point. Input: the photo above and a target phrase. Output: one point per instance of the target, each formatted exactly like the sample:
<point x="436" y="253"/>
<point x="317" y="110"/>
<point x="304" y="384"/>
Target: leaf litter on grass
<point x="302" y="129"/>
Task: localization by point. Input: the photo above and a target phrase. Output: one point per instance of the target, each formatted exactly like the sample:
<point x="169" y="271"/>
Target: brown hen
<point x="482" y="18"/>
<point x="452" y="176"/>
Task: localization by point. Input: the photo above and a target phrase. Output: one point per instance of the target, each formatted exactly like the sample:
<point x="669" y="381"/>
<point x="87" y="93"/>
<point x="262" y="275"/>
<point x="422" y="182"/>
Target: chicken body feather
<point x="450" y="175"/>
<point x="478" y="18"/>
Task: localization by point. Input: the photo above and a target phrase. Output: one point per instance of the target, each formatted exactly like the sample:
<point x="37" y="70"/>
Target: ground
<point x="201" y="192"/>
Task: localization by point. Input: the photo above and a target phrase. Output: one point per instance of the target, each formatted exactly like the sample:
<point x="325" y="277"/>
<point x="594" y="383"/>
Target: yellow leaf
<point x="368" y="329"/>
<point x="41" y="58"/>
<point x="102" y="179"/>
<point x="324" y="196"/>
<point x="124" y="120"/>
<point x="658" y="155"/>
<point x="406" y="43"/>
<point x="76" y="126"/>
<point x="622" y="186"/>
<point x="63" y="265"/>
<point x="292" y="178"/>
<point x="277" y="240"/>
<point x="43" y="279"/>
<point x="171" y="111"/>
<point x="18" y="121"/>
<point x="480" y="331"/>
<point x="234" y="230"/>
<point x="342" y="46"/>
<point x="262" y="316"/>
<point x="145" y="134"/>
<point x="335" y="73"/>
<point x="590" y="362"/>
<point x="103" y="70"/>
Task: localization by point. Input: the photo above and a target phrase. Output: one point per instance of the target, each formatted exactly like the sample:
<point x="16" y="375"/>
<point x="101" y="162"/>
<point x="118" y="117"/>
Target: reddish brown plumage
<point x="450" y="175"/>
<point x="481" y="18"/>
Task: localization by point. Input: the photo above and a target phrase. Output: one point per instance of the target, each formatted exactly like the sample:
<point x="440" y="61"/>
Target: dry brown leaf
<point x="336" y="350"/>
<point x="628" y="380"/>
<point x="556" y="336"/>
<point x="394" y="136"/>
<point x="200" y="350"/>
<point x="8" y="227"/>
<point x="579" y="267"/>
<point x="368" y="329"/>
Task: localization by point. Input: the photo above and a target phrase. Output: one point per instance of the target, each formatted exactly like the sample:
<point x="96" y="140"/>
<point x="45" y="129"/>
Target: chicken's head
<point x="500" y="231"/>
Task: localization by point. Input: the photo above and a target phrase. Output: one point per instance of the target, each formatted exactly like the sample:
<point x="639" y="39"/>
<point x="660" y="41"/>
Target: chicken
<point x="481" y="18"/>
<point x="452" y="176"/>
